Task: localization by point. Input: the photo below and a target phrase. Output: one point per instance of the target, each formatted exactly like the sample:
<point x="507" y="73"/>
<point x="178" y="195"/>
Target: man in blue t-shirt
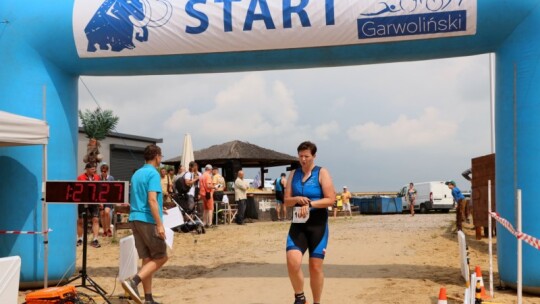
<point x="279" y="187"/>
<point x="459" y="199"/>
<point x="146" y="222"/>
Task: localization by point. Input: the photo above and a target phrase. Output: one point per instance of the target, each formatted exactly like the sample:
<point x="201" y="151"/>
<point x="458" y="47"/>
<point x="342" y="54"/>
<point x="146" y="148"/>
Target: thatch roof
<point x="249" y="155"/>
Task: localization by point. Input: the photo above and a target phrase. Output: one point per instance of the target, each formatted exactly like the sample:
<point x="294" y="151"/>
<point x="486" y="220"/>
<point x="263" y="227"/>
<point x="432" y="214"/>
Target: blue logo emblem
<point x="116" y="22"/>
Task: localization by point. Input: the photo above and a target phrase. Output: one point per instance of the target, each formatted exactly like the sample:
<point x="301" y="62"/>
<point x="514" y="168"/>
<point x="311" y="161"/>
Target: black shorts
<point x="280" y="197"/>
<point x="93" y="210"/>
<point x="218" y="196"/>
<point x="312" y="236"/>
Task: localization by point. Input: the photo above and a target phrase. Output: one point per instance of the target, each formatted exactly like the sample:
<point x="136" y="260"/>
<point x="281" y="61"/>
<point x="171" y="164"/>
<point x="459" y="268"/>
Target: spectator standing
<point x="240" y="196"/>
<point x="459" y="199"/>
<point x="105" y="213"/>
<point x="467" y="174"/>
<point x="180" y="173"/>
<point x="207" y="192"/>
<point x="279" y="186"/>
<point x="146" y="222"/>
<point x="337" y="204"/>
<point x="93" y="209"/>
<point x="346" y="200"/>
<point x="166" y="185"/>
<point x="192" y="179"/>
<point x="197" y="195"/>
<point x="410" y="196"/>
<point x="170" y="172"/>
<point x="219" y="185"/>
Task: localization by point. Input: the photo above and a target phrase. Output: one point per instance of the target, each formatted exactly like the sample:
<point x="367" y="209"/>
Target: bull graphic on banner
<point x="115" y="23"/>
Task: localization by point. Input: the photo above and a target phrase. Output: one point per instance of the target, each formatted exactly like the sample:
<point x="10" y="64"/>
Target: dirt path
<point x="370" y="259"/>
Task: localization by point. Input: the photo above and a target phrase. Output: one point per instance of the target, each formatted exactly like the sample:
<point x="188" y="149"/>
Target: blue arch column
<point x="22" y="75"/>
<point x="522" y="51"/>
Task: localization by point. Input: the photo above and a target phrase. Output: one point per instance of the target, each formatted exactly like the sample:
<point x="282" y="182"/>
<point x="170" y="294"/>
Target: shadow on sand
<point x="438" y="274"/>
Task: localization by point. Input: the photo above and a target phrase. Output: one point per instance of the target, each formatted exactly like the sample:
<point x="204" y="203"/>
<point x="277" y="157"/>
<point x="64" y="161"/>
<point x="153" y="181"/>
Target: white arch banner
<point x="111" y="28"/>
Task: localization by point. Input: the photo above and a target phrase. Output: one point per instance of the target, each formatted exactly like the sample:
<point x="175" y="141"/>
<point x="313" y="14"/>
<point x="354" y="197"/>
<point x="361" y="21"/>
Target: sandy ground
<point x="370" y="259"/>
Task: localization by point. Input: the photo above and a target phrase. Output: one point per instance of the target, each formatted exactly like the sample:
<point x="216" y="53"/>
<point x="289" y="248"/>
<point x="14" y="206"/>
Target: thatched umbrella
<point x="235" y="155"/>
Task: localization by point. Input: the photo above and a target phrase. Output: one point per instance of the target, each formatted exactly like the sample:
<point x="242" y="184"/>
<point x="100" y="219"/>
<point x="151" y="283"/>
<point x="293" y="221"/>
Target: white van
<point x="268" y="183"/>
<point x="429" y="196"/>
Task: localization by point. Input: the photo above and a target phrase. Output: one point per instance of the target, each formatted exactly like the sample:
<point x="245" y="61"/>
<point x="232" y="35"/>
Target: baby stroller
<point x="188" y="208"/>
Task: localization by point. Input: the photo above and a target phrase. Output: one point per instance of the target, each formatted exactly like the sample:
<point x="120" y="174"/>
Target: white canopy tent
<point x="16" y="130"/>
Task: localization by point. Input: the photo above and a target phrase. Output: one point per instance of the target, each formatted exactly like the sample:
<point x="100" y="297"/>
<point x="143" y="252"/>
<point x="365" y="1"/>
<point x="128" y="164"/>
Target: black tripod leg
<point x="97" y="289"/>
<point x="85" y="244"/>
<point x="93" y="286"/>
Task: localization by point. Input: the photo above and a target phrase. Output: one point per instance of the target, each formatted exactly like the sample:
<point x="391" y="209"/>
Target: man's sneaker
<point x="79" y="243"/>
<point x="95" y="244"/>
<point x="130" y="287"/>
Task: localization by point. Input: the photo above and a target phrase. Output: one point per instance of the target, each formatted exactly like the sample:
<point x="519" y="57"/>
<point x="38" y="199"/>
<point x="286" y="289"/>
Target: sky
<point x="377" y="127"/>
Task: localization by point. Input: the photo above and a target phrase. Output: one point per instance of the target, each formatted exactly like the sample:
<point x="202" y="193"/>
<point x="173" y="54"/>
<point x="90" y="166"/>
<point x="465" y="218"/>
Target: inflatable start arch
<point x="44" y="43"/>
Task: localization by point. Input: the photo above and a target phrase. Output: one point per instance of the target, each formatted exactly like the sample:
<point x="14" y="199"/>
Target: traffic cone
<point x="442" y="296"/>
<point x="483" y="293"/>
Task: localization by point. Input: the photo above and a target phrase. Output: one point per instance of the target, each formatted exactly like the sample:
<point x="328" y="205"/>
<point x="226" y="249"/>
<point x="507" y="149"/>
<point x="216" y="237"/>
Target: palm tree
<point x="97" y="125"/>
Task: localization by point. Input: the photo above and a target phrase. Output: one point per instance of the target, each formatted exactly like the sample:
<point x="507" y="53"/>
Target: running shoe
<point x="300" y="301"/>
<point x="95" y="244"/>
<point x="130" y="287"/>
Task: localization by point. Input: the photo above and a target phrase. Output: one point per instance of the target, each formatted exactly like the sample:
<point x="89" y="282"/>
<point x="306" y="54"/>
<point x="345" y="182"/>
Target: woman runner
<point x="310" y="191"/>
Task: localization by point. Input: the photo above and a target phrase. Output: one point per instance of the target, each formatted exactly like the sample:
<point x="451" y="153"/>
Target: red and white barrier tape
<point x="531" y="240"/>
<point x="24" y="232"/>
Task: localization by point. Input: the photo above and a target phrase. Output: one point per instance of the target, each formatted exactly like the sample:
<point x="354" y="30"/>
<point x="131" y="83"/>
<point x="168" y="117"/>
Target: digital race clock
<point x="87" y="192"/>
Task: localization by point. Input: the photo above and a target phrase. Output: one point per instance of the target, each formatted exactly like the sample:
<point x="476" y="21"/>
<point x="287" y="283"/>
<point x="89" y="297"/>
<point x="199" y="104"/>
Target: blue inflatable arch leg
<point x="518" y="76"/>
<point x="21" y="84"/>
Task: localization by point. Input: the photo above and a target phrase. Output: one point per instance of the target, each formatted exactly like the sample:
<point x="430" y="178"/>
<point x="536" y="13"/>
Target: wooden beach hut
<point x="235" y="155"/>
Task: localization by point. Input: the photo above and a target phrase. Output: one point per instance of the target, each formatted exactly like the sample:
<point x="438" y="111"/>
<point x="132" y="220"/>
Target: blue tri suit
<point x="313" y="234"/>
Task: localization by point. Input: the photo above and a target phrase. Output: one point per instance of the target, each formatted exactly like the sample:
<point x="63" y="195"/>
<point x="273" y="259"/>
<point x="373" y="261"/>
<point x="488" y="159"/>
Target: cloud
<point x="397" y="114"/>
<point x="325" y="131"/>
<point x="250" y="107"/>
<point x="406" y="133"/>
<point x="254" y="109"/>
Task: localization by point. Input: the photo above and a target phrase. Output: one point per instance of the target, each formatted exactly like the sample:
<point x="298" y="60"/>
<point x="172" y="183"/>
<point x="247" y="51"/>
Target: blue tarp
<point x="378" y="205"/>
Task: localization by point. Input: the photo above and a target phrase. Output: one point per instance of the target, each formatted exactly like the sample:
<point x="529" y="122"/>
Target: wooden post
<point x="478" y="232"/>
